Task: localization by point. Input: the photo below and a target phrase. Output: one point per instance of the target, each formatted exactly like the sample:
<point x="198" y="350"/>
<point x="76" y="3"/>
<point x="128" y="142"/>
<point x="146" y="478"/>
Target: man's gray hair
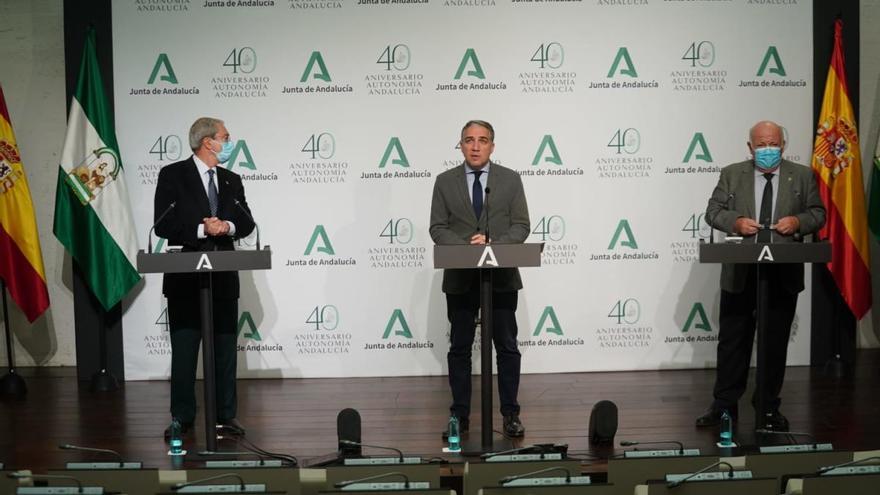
<point x="481" y="123"/>
<point x="203" y="127"/>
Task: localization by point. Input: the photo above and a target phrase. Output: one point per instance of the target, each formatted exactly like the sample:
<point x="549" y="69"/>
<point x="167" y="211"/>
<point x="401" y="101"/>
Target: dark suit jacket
<point x="181" y="184"/>
<point x="734" y="197"/>
<point x="453" y="221"/>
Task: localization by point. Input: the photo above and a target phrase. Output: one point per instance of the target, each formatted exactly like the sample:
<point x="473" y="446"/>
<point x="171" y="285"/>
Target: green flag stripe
<point x="104" y="265"/>
<point x="91" y="97"/>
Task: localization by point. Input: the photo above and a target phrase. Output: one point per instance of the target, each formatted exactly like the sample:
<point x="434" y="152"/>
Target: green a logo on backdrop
<point x="624" y="230"/>
<point x="777" y="67"/>
<point x="168" y="76"/>
<point x="697" y="317"/>
<point x="551" y="326"/>
<point x="160" y="245"/>
<point x="397" y="323"/>
<point x="704" y="154"/>
<point x="322" y="73"/>
<point x="247" y="160"/>
<point x="394" y="146"/>
<point x="623" y="56"/>
<point x="470" y="56"/>
<point x="547" y="144"/>
<point x="246" y="320"/>
<point x="326" y="247"/>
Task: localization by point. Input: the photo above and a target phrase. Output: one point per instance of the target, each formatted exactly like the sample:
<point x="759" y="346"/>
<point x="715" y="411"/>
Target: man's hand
<point x="216" y="227"/>
<point x="478" y="239"/>
<point x="788" y="225"/>
<point x="746" y="226"/>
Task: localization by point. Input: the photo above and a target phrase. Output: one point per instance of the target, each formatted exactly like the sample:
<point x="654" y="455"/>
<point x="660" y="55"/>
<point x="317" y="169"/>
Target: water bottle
<point x="175" y="442"/>
<point x="726" y="438"/>
<point x="454" y="435"/>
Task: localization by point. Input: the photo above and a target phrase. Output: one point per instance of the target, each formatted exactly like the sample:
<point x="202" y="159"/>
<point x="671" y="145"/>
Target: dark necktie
<point x="477" y="191"/>
<point x="764" y="235"/>
<point x="212" y="193"/>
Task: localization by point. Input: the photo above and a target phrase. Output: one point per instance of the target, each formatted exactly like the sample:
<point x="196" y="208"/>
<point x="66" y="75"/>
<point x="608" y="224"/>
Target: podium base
<point x="103" y="381"/>
<point x="473" y="445"/>
<point x="12" y="385"/>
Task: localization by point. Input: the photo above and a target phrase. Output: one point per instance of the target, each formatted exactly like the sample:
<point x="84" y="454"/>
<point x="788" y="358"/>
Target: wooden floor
<point x="298" y="416"/>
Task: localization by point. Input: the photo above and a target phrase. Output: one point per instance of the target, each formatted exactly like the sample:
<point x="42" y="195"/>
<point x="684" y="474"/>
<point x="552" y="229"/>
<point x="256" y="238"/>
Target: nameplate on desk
<point x="268" y="463"/>
<point x="787" y="449"/>
<point x="59" y="490"/>
<point x="713" y="476"/>
<point x="551" y="456"/>
<point x="233" y="488"/>
<point x="638" y="454"/>
<point x="413" y="485"/>
<point x="556" y="481"/>
<point x="85" y="466"/>
<point x="844" y="471"/>
<point x="381" y="461"/>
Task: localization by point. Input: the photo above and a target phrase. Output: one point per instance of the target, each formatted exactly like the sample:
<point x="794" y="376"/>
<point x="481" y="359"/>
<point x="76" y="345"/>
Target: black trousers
<point x="461" y="309"/>
<point x="186" y="336"/>
<point x="737" y="334"/>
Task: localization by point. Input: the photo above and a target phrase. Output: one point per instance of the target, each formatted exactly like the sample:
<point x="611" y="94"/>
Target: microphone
<point x="180" y="486"/>
<point x="359" y="445"/>
<point x="846" y="464"/>
<point x="68" y="446"/>
<point x="539" y="448"/>
<point x="673" y="484"/>
<point x="161" y="217"/>
<point x="248" y="214"/>
<point x="23" y="475"/>
<point x="789" y="434"/>
<point x="630" y="443"/>
<point x="343" y="484"/>
<point x="486" y="205"/>
<point x="211" y="453"/>
<point x="348" y="429"/>
<point x="508" y="479"/>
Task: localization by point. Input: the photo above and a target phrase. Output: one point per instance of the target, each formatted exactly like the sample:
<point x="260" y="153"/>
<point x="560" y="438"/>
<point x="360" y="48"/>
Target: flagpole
<point x="12" y="385"/>
<point x="103" y="380"/>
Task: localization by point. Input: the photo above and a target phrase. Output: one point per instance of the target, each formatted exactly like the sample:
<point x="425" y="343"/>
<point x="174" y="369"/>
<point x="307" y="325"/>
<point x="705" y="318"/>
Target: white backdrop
<point x="618" y="114"/>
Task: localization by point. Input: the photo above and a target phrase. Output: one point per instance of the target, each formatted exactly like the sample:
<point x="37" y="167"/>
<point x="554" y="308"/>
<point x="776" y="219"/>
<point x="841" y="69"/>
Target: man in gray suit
<point x="766" y="199"/>
<point x="461" y="209"/>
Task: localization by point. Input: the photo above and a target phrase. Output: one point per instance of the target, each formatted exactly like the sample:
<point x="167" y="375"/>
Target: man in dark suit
<point x="208" y="214"/>
<point x="461" y="208"/>
<point x="766" y="199"/>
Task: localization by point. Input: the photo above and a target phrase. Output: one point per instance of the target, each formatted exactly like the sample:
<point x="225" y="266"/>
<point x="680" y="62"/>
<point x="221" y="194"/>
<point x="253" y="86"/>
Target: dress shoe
<point x="231" y="427"/>
<point x="513" y="427"/>
<point x="775" y="421"/>
<point x="464" y="425"/>
<point x="185" y="428"/>
<point x="712" y="416"/>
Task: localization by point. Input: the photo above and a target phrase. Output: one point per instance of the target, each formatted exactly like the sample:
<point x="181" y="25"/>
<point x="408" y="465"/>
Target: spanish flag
<point x="838" y="166"/>
<point x="21" y="262"/>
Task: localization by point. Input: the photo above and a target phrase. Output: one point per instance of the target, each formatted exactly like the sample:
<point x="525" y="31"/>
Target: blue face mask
<point x="225" y="151"/>
<point x="768" y="157"/>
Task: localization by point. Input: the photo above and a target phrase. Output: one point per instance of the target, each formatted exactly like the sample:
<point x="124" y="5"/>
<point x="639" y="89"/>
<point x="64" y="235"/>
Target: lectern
<point x="204" y="263"/>
<point x="762" y="254"/>
<point x="486" y="258"/>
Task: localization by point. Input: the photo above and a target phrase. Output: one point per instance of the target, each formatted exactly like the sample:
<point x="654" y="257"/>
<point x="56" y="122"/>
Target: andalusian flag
<point x="21" y="262"/>
<point x="874" y="204"/>
<point x="838" y="165"/>
<point x="92" y="212"/>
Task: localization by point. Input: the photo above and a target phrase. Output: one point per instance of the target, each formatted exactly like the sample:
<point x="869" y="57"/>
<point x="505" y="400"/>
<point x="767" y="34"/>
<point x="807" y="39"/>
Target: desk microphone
<point x="68" y="446"/>
<point x="673" y="484"/>
<point x="358" y="444"/>
<point x="789" y="434"/>
<point x="248" y="214"/>
<point x="24" y="475"/>
<point x="161" y="217"/>
<point x="343" y="484"/>
<point x="179" y="486"/>
<point x="630" y="443"/>
<point x="846" y="464"/>
<point x="508" y="479"/>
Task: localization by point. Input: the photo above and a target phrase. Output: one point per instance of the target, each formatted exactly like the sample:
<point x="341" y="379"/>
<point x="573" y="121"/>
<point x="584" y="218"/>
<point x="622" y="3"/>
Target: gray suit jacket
<point x="734" y="197"/>
<point x="453" y="221"/>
